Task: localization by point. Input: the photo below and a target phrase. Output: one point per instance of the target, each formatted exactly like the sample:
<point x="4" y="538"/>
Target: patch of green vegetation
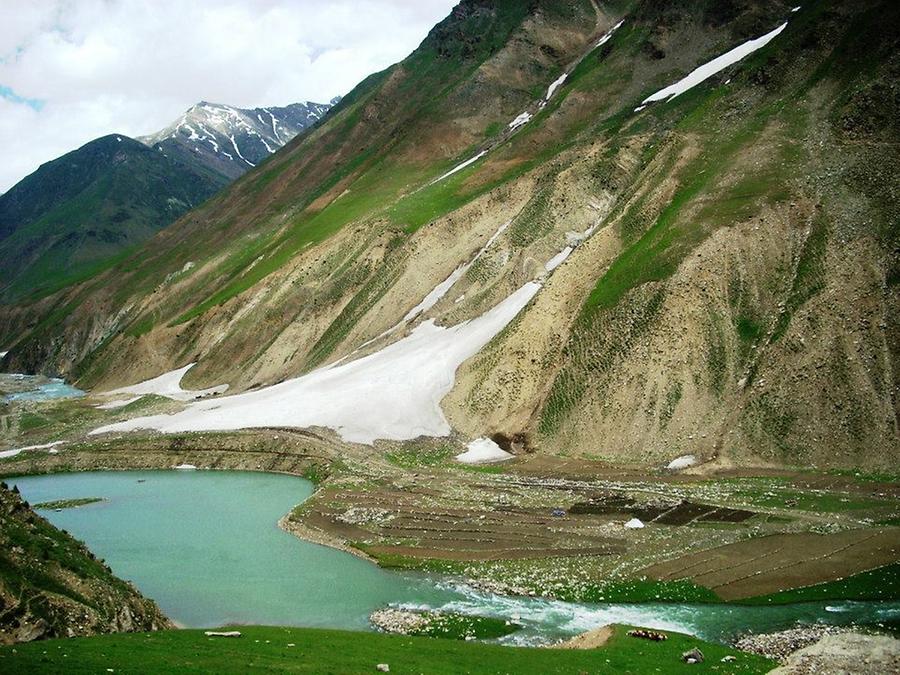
<point x="533" y="221"/>
<point x="456" y="626"/>
<point x="882" y="583"/>
<point x="29" y="421"/>
<point x="411" y="456"/>
<point x="142" y="326"/>
<point x="638" y="590"/>
<point x="312" y="650"/>
<point x="68" y="503"/>
<point x="670" y="403"/>
<point x="717" y="354"/>
<point x="806" y="500"/>
<point x="748" y="329"/>
<point x="809" y="277"/>
<point x="317" y="472"/>
<point x="493" y="129"/>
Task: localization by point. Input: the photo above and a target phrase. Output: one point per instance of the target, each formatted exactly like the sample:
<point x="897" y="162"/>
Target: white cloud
<point x="131" y="66"/>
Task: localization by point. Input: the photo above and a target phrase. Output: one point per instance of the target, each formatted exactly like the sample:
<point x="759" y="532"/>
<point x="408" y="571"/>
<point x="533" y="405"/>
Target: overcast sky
<point x="73" y="70"/>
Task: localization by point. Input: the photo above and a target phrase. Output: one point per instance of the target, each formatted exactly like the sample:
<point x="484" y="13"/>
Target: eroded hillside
<point x="719" y="269"/>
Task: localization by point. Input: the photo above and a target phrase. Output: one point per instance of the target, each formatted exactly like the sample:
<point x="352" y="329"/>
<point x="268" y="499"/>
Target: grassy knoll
<point x="302" y="650"/>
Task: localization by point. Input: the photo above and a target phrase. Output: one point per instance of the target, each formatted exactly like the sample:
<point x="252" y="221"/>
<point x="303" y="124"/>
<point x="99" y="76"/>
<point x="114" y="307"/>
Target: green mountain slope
<point x="76" y="212"/>
<point x="731" y="286"/>
<point x="52" y="586"/>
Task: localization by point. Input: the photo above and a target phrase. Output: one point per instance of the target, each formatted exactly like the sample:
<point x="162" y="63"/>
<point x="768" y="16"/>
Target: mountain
<point x="676" y="223"/>
<point x="223" y="142"/>
<point x="52" y="586"/>
<point x="77" y="212"/>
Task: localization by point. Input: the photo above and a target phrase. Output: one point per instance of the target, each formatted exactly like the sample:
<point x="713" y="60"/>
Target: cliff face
<point x="51" y="585"/>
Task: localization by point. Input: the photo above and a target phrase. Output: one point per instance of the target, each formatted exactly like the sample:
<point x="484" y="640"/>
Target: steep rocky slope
<point x="729" y="289"/>
<point x="52" y="586"/>
<point x="222" y="142"/>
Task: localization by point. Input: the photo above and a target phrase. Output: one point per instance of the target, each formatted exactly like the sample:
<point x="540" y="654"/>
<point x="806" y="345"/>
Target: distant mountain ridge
<point x="77" y="212"/>
<point x="224" y="141"/>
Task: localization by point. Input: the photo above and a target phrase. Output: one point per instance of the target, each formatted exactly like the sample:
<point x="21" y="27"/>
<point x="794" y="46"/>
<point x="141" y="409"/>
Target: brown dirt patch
<point x="770" y="564"/>
<point x="593" y="639"/>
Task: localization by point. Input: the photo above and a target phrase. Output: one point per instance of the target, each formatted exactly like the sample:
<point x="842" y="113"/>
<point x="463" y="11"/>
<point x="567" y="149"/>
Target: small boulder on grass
<point x="383" y="668"/>
<point x="692" y="656"/>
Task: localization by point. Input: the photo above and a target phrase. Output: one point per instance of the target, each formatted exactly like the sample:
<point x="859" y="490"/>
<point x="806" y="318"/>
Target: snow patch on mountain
<point x="394" y="393"/>
<point x="203" y="132"/>
<point x="709" y="69"/>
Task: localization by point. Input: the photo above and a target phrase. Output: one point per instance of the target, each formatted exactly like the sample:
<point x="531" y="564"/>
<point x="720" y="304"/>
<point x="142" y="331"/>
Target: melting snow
<point x="460" y="167"/>
<point x="795" y="9"/>
<point x="558" y="259"/>
<point x="238" y="150"/>
<point x="194" y="135"/>
<point x="442" y="288"/>
<point x="555" y="85"/>
<point x="634" y="524"/>
<point x="483" y="451"/>
<point x="112" y="405"/>
<point x="186" y="467"/>
<point x="2" y="354"/>
<point x="394" y="393"/>
<point x="169" y="385"/>
<point x="608" y="35"/>
<point x="520" y="120"/>
<point x="682" y="462"/>
<point x="45" y="446"/>
<point x="274" y="126"/>
<point x="718" y="64"/>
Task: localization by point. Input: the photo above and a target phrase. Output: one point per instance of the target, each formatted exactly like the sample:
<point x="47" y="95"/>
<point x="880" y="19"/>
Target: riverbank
<point x="535" y="527"/>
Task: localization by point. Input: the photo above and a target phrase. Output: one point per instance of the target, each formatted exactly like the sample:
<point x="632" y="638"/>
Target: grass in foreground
<point x="304" y="650"/>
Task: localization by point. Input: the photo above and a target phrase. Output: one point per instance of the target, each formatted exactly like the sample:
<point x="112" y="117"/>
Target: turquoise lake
<point x="207" y="547"/>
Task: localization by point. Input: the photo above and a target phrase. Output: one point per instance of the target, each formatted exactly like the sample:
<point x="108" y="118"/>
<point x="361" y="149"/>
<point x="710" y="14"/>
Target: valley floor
<point x="535" y="525"/>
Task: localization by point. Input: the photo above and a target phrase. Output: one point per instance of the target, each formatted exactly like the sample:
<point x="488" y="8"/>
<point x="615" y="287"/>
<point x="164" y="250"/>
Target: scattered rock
<point x="692" y="656"/>
<point x="779" y="646"/>
<point x="383" y="668"/>
<point x="845" y="652"/>
<point x="648" y="634"/>
<point x="398" y="621"/>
